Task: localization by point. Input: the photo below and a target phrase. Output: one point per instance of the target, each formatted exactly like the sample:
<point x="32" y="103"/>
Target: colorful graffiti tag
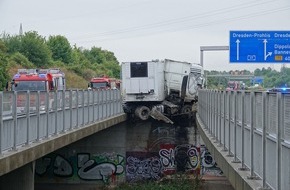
<point x="208" y="164"/>
<point x="83" y="166"/>
<point x="169" y="159"/>
<point x="142" y="166"/>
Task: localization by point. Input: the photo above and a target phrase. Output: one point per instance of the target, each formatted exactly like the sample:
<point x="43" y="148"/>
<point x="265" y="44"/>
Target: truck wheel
<point x="186" y="109"/>
<point x="142" y="112"/>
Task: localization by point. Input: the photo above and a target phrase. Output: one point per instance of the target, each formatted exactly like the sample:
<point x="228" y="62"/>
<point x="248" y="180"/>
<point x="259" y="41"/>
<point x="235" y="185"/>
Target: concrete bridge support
<point x="21" y="178"/>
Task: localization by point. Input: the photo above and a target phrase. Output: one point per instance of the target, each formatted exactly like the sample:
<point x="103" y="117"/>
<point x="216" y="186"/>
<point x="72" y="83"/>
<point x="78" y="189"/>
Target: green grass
<point x="180" y="182"/>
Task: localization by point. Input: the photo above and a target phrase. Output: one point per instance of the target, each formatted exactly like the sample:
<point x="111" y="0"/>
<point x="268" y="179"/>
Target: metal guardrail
<point x="254" y="128"/>
<point x="27" y="117"/>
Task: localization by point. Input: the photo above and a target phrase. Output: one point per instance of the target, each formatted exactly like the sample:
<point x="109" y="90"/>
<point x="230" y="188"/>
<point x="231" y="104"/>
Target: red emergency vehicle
<point x="38" y="80"/>
<point x="104" y="82"/>
<point x="33" y="80"/>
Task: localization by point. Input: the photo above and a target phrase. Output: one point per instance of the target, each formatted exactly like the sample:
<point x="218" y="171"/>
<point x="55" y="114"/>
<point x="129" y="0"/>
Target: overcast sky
<point x="142" y="30"/>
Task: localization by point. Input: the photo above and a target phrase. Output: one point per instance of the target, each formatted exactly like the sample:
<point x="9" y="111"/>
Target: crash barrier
<point x="26" y="117"/>
<point x="254" y="128"/>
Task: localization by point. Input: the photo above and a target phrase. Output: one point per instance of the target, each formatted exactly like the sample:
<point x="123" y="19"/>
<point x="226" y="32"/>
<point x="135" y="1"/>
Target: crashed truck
<point x="160" y="88"/>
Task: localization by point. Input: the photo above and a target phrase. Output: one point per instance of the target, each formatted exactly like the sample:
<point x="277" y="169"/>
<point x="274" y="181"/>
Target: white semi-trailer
<point x="160" y="88"/>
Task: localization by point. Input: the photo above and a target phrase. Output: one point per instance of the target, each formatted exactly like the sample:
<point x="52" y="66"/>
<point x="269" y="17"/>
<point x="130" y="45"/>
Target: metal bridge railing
<point x="27" y="117"/>
<point x="254" y="128"/>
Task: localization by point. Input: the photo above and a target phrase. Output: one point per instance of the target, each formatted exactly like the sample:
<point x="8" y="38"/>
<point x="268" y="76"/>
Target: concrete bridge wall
<point x="126" y="152"/>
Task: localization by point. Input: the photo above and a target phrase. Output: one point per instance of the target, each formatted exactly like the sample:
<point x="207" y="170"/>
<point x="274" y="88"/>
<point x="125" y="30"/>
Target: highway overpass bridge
<point x="247" y="133"/>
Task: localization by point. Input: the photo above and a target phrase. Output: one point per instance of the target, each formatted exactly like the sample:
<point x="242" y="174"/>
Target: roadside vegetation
<point x="32" y="50"/>
<point x="178" y="181"/>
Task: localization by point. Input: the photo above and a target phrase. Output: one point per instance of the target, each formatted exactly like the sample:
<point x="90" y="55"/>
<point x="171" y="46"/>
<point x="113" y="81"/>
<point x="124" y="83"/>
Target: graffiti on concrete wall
<point x="83" y="166"/>
<point x="208" y="164"/>
<point x="187" y="158"/>
<point x="58" y="164"/>
<point x="142" y="166"/>
<point x="62" y="167"/>
<point x="169" y="159"/>
<point x="100" y="167"/>
<point x="180" y="158"/>
<point x="138" y="166"/>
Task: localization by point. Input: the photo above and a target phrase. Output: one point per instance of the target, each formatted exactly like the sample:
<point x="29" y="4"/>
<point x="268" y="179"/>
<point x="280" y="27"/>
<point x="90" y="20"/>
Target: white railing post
<point x="47" y="113"/>
<point x="212" y="113"/>
<point x="243" y="130"/>
<point x="207" y="110"/>
<point x="252" y="116"/>
<point x="218" y="104"/>
<point x="264" y="139"/>
<point x="98" y="105"/>
<point x="1" y="122"/>
<point x="88" y="105"/>
<point x="215" y="115"/>
<point x="27" y="106"/>
<point x="229" y="124"/>
<point x="224" y="123"/>
<point x="235" y="160"/>
<point x="55" y="112"/>
<point x="14" y="107"/>
<point x="38" y="115"/>
<point x="83" y="106"/>
<point x="70" y="110"/>
<point x="94" y="117"/>
<point x="279" y="125"/>
<point x="77" y="107"/>
<point x="63" y="110"/>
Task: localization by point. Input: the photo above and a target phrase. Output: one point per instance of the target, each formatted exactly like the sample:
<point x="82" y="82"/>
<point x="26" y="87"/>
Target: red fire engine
<point x="38" y="80"/>
<point x="43" y="80"/>
<point x="104" y="82"/>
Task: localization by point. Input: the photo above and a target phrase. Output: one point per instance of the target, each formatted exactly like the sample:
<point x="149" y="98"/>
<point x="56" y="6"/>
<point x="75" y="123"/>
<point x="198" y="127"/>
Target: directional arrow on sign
<point x="265" y="50"/>
<point x="238" y="49"/>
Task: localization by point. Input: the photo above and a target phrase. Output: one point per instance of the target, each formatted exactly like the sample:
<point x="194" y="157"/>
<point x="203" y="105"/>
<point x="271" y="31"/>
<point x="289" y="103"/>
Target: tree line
<point x="271" y="78"/>
<point x="32" y="50"/>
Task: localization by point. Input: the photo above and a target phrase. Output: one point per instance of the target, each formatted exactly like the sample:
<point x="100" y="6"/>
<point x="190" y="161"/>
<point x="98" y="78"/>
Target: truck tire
<point x="186" y="109"/>
<point x="142" y="112"/>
